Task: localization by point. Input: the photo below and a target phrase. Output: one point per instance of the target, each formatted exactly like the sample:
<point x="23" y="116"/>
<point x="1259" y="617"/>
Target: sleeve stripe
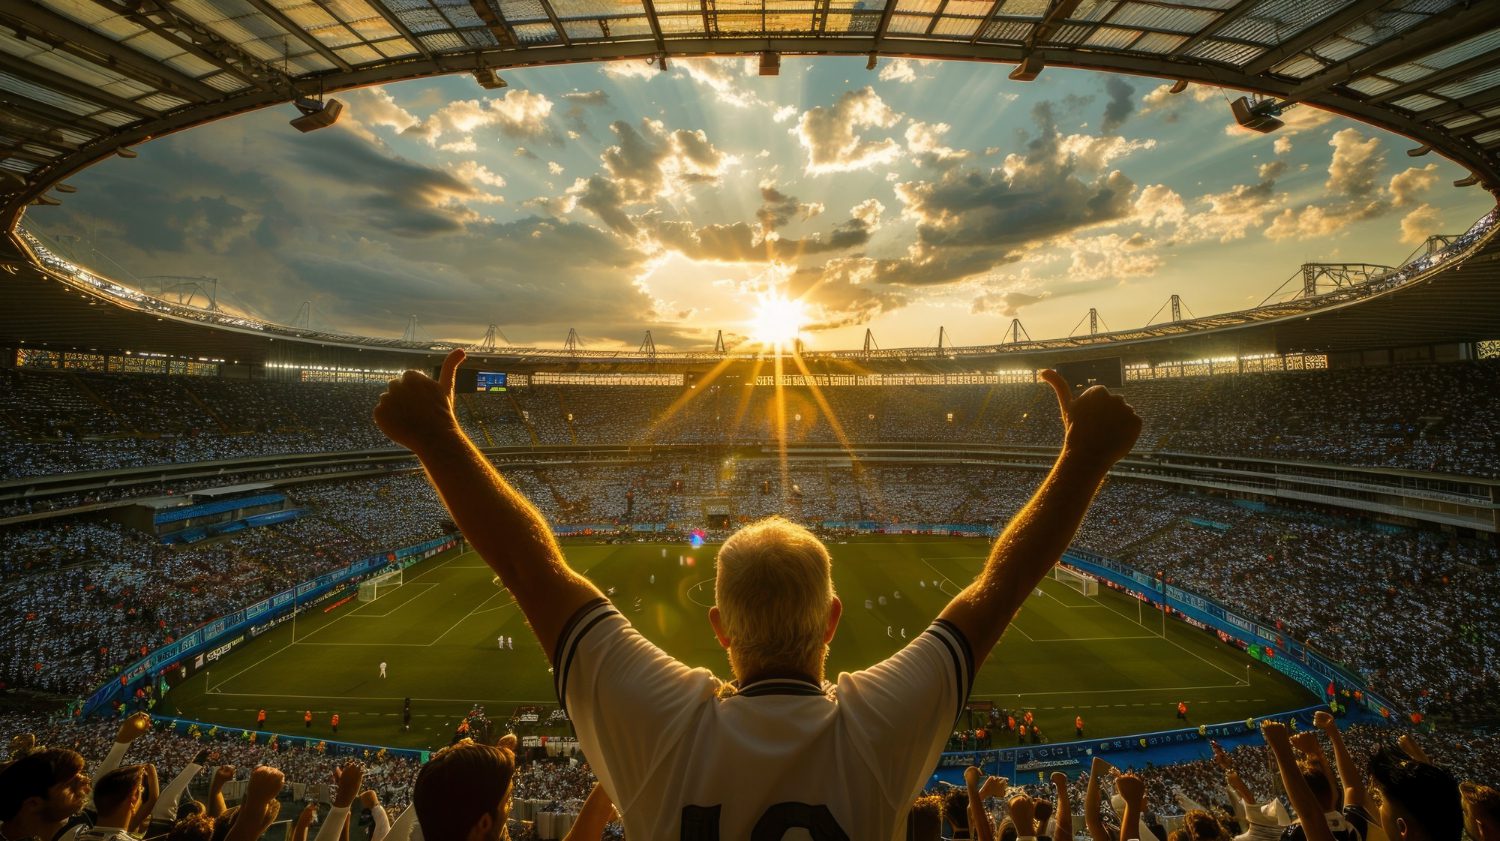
<point x="963" y="659"/>
<point x="583" y="619"/>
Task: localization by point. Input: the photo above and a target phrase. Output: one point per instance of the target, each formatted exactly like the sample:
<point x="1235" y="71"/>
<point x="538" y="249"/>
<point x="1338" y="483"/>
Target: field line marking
<point x="438" y="565"/>
<point x="464" y="618"/>
<point x="1094" y="639"/>
<point x="427" y="584"/>
<point x="211" y="690"/>
<point x="1220" y="669"/>
<point x="1113" y="691"/>
<point x="397" y="698"/>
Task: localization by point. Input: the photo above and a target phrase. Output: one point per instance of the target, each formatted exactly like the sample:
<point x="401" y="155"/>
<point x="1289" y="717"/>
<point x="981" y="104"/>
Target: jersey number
<point x="701" y="823"/>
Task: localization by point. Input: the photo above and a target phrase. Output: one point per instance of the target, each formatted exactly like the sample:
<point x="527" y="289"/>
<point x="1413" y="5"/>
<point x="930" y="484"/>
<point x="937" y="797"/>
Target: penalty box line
<point x="209" y="690"/>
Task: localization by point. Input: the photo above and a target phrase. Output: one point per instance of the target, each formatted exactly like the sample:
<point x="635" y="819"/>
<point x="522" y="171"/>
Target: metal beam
<point x="495" y="22"/>
<point x="1220" y="23"/>
<point x="988" y="19"/>
<point x="661" y="43"/>
<point x="1440" y="30"/>
<point x="198" y="39"/>
<point x="1480" y="62"/>
<point x="301" y="34"/>
<point x="396" y="24"/>
<point x="1313" y="35"/>
<point x="1474" y="103"/>
<point x="72" y="87"/>
<point x="91" y="46"/>
<point x="51" y="116"/>
<point x="24" y="155"/>
<point x="885" y="23"/>
<point x="1477" y="127"/>
<point x="556" y="23"/>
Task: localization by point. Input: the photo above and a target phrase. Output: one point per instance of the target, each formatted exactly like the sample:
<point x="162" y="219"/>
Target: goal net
<point x="1075" y="580"/>
<point x="380" y="585"/>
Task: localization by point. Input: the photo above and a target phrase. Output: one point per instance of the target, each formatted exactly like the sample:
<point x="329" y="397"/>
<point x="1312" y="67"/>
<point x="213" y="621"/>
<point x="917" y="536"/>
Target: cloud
<point x="720" y="75"/>
<point x="520" y="114"/>
<point x="579" y="102"/>
<point x="1120" y="106"/>
<point x="902" y="71"/>
<point x="1408" y="184"/>
<point x="1282" y="145"/>
<point x="631" y="70"/>
<point x="1007" y="304"/>
<point x="1357" y="194"/>
<point x="830" y="134"/>
<point x="375" y="107"/>
<point x="1167" y="106"/>
<point x="784" y="113"/>
<point x="777" y="209"/>
<point x="1421" y="223"/>
<point x="368" y="236"/>
<point x="554" y="168"/>
<point x="648" y="163"/>
<point x="925" y="142"/>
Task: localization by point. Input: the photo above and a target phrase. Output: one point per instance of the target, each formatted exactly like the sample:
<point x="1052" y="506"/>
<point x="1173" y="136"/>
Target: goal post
<point x="373" y="588"/>
<point x="1075" y="580"/>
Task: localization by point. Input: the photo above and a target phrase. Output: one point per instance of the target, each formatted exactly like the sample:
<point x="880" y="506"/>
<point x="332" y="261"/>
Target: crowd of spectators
<point x="1184" y="794"/>
<point x="82" y="598"/>
<point x="1435" y="418"/>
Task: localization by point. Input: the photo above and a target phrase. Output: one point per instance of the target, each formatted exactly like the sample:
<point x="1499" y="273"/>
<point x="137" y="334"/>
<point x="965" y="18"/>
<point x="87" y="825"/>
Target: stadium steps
<point x="525" y="419"/>
<point x="93" y="397"/>
<point x="207" y="410"/>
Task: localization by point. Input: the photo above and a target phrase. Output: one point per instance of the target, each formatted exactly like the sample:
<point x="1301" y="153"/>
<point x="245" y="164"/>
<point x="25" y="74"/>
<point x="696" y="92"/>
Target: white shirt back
<point x="684" y="756"/>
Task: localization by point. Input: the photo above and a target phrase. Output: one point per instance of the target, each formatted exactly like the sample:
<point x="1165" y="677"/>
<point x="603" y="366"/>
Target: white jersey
<point x="686" y="757"/>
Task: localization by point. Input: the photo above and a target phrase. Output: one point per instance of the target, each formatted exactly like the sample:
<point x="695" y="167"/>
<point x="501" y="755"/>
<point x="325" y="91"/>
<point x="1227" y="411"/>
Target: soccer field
<point x="1066" y="654"/>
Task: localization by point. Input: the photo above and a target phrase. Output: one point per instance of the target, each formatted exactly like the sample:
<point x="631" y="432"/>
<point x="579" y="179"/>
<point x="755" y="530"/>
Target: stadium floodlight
<point x="1467" y="182"/>
<point x="65" y="188"/>
<point x="1030" y="67"/>
<point x="46" y="201"/>
<point x="1257" y="116"/>
<point x="1418" y="152"/>
<point x="770" y="63"/>
<point x="661" y="63"/>
<point x="316" y="113"/>
<point x="126" y="152"/>
<point x="873" y="60"/>
<point x="489" y="79"/>
<point x="1179" y="86"/>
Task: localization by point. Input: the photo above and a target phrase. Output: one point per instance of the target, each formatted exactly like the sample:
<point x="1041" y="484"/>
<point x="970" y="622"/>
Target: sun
<point x="777" y="321"/>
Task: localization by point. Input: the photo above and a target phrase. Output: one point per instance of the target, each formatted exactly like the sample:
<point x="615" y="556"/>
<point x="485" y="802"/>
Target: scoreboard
<point x="489" y="381"/>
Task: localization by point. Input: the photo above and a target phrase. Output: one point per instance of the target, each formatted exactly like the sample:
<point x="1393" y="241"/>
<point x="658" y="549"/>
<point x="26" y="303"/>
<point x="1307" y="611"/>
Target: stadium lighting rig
<point x="489" y="79"/>
<point x="316" y="113"/>
<point x="1260" y="115"/>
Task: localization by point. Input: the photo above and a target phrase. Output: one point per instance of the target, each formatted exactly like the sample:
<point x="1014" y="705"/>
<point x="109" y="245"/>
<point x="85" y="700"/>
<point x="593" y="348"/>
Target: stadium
<point x="212" y="556"/>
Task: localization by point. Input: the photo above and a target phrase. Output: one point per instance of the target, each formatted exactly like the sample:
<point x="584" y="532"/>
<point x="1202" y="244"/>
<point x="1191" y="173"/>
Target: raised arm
<point x="593" y="817"/>
<point x="1064" y="810"/>
<point x="1098" y="430"/>
<point x="1309" y="811"/>
<point x="979" y="820"/>
<point x="1093" y="811"/>
<point x="507" y="531"/>
<point x="1132" y="790"/>
<point x="166" y="804"/>
<point x="1349" y="773"/>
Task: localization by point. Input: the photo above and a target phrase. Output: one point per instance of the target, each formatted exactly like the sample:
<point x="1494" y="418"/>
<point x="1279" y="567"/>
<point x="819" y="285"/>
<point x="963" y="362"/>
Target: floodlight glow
<point x="777" y="321"/>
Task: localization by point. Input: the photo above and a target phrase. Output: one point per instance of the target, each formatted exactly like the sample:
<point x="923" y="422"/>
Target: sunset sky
<point x="617" y="198"/>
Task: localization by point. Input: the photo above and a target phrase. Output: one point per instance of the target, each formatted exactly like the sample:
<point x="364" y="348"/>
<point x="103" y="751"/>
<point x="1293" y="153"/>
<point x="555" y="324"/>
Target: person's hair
<point x="1424" y="793"/>
<point x="33" y="775"/>
<point x="926" y="820"/>
<point x="956" y="807"/>
<point x="1484" y="802"/>
<point x="1180" y="835"/>
<point x="116" y="787"/>
<point x="190" y="808"/>
<point x="1312" y="774"/>
<point x="773" y="586"/>
<point x="1042" y="808"/>
<point x="459" y="785"/>
<point x="1202" y="826"/>
<point x="192" y="828"/>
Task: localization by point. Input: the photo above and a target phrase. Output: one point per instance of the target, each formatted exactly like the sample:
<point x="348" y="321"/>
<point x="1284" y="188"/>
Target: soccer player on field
<point x="382" y="669"/>
<point x="686" y="756"/>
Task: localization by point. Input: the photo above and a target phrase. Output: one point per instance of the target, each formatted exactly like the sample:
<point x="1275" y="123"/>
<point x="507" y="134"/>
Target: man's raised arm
<point x="507" y="531"/>
<point x="1098" y="430"/>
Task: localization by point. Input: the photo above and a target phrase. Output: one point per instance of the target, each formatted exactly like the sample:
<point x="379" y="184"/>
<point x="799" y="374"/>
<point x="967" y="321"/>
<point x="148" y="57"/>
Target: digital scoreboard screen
<point x="490" y="381"/>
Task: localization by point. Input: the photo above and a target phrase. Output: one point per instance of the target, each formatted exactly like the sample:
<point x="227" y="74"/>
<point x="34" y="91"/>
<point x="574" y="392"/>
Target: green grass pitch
<point x="1066" y="654"/>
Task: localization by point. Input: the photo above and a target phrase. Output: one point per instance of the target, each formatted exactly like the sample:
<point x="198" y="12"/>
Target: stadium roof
<point x="83" y="79"/>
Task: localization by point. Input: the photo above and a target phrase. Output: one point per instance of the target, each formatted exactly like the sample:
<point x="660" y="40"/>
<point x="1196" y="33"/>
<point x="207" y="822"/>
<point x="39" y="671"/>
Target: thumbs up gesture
<point x="1098" y="427"/>
<point x="417" y="411"/>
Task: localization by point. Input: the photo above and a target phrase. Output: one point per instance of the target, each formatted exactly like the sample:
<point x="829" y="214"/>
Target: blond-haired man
<point x="778" y="751"/>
